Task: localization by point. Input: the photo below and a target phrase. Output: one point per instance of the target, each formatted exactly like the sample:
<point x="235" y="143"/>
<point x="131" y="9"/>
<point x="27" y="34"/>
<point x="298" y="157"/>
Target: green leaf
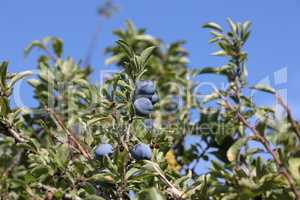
<point x="245" y="36"/>
<point x="89" y="188"/>
<point x="67" y="67"/>
<point x="34" y="82"/>
<point x="94" y="197"/>
<point x="247" y="25"/>
<point x="294" y="167"/>
<point x="57" y="45"/>
<point x="205" y="70"/>
<point x="230" y="196"/>
<point x="131" y="172"/>
<point x="233" y="26"/>
<point x="18" y="77"/>
<point x="214" y="26"/>
<point x="114" y="59"/>
<point x="234" y="150"/>
<point x="259" y="167"/>
<point x="125" y="47"/>
<point x="152" y="166"/>
<point x="146" y="38"/>
<point x="220" y="53"/>
<point x="4" y="107"/>
<point x="62" y="155"/>
<point x="34" y="44"/>
<point x="96" y="120"/>
<point x="102" y="178"/>
<point x="264" y="88"/>
<point x="150" y="194"/>
<point x="145" y="55"/>
<point x="224" y="70"/>
<point x="3" y="74"/>
<point x="39" y="171"/>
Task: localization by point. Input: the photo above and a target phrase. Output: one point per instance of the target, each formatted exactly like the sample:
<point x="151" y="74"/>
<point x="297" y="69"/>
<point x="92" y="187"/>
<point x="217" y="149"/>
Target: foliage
<point x="49" y="152"/>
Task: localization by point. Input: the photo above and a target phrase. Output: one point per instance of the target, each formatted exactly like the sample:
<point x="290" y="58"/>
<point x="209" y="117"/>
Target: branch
<point x="289" y="115"/>
<point x="126" y="138"/>
<point x="18" y="137"/>
<point x="92" y="45"/>
<point x="179" y="194"/>
<point x="70" y="135"/>
<point x="60" y="141"/>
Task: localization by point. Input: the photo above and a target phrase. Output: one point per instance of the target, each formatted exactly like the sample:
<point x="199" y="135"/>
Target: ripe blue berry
<point x="103" y="149"/>
<point x="154" y="98"/>
<point x="141" y="152"/>
<point x="143" y="106"/>
<point x="145" y="87"/>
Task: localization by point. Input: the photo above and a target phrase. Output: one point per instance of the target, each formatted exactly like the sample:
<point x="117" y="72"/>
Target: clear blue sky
<point x="274" y="43"/>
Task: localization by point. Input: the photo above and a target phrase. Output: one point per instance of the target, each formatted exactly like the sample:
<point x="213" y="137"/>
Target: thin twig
<point x="124" y="140"/>
<point x="92" y="45"/>
<point x="70" y="135"/>
<point x="18" y="137"/>
<point x="289" y="115"/>
<point x="127" y="134"/>
<point x="60" y="141"/>
<point x="179" y="194"/>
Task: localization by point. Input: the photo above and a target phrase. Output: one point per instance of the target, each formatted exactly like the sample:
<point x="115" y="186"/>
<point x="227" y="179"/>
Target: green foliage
<point x="48" y="152"/>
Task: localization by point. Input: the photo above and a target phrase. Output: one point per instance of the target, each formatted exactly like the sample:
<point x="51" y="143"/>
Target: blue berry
<point x="154" y="98"/>
<point x="103" y="149"/>
<point x="145" y="87"/>
<point x="141" y="152"/>
<point x="143" y="106"/>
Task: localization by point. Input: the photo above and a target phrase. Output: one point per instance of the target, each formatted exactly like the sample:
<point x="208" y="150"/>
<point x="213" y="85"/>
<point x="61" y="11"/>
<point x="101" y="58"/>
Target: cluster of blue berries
<point x="139" y="152"/>
<point x="145" y="97"/>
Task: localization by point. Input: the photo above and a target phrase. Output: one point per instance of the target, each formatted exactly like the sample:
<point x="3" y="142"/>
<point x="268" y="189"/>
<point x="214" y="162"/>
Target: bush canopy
<point x="150" y="130"/>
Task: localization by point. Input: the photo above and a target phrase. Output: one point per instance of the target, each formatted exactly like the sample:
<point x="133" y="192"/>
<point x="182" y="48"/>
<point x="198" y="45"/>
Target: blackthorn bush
<point x="243" y="151"/>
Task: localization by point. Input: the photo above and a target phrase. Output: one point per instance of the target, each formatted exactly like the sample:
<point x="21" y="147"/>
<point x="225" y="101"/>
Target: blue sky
<point x="274" y="43"/>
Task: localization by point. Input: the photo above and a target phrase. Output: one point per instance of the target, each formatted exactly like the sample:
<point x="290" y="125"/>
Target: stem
<point x="289" y="115"/>
<point x="179" y="194"/>
<point x="70" y="135"/>
<point x="130" y="121"/>
<point x="17" y="135"/>
<point x="127" y="134"/>
<point x="92" y="45"/>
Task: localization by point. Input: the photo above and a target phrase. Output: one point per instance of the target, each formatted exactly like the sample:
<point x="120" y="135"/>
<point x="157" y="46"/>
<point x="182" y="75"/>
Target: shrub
<point x="46" y="152"/>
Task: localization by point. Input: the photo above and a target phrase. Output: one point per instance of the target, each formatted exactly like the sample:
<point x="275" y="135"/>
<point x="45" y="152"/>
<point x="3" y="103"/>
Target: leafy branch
<point x="260" y="136"/>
